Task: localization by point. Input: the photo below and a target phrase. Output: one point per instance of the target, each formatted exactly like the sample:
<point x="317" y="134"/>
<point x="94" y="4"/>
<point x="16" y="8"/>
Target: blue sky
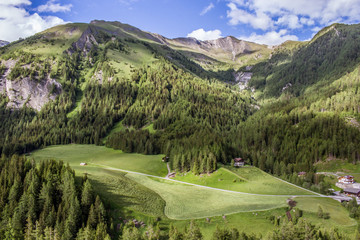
<point x="263" y="21"/>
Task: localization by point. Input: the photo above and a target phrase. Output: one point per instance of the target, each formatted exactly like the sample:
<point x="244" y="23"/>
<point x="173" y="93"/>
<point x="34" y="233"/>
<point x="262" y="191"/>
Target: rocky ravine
<point x="243" y="78"/>
<point x="27" y="92"/>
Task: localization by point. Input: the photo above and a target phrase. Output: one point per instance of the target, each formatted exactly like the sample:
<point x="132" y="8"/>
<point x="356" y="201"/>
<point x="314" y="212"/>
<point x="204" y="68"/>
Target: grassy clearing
<point x="339" y="216"/>
<point x="187" y="202"/>
<point x="74" y="154"/>
<point x="244" y="222"/>
<point x="77" y="107"/>
<point x="125" y="196"/>
<point x="118" y="127"/>
<point x="246" y="179"/>
<point x="125" y="62"/>
<point x="337" y="165"/>
<point x="150" y="127"/>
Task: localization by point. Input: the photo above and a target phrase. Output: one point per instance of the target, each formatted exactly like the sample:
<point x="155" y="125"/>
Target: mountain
<point x="87" y="38"/>
<point x="117" y="77"/>
<point x="114" y="85"/>
<point x="3" y="43"/>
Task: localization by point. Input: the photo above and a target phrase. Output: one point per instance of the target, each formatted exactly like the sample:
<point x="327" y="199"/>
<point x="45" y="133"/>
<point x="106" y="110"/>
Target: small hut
<point x="239" y="162"/>
<point x="83" y="164"/>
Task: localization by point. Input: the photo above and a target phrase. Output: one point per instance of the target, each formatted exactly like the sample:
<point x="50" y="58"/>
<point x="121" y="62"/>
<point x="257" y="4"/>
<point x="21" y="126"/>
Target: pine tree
<point x="193" y="233"/>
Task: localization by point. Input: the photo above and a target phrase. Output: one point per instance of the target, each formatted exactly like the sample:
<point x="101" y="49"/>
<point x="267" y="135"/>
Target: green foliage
<point x="322" y="214"/>
<point x="38" y="201"/>
<point x="327" y="58"/>
<point x="303" y="230"/>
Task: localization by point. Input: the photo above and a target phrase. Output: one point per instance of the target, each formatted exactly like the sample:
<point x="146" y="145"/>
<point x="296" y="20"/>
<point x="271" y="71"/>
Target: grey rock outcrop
<point x="27" y="92"/>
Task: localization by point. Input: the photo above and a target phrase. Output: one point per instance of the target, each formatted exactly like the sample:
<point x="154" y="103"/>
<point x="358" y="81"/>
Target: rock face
<point x="27" y="92"/>
<point x="85" y="42"/>
<point x="3" y="43"/>
<point x="242" y="78"/>
<point x="229" y="45"/>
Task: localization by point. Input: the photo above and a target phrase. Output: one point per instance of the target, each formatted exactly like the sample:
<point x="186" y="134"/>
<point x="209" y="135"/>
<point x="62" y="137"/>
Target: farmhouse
<point x="239" y="162"/>
<point x="348" y="179"/>
<point x="352" y="192"/>
<point x="83" y="164"/>
<point x="301" y="174"/>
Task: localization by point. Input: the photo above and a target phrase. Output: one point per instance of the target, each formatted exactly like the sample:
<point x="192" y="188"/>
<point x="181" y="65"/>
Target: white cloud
<point x="207" y="9"/>
<point x="307" y="21"/>
<point x="51" y="6"/>
<point x="16" y="22"/>
<point x="316" y="29"/>
<point x="270" y="38"/>
<point x="14" y="2"/>
<point x="291" y="21"/>
<point x="294" y="14"/>
<point x="203" y="35"/>
<point x="258" y="20"/>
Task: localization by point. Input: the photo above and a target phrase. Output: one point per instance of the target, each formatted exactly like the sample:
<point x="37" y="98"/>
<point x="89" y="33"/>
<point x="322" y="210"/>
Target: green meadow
<point x="245" y="179"/>
<point x="75" y="154"/>
<point x="151" y="199"/>
<point x="188" y="202"/>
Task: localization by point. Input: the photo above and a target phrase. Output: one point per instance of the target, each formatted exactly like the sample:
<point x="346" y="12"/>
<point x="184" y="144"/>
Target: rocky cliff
<point x="26" y="91"/>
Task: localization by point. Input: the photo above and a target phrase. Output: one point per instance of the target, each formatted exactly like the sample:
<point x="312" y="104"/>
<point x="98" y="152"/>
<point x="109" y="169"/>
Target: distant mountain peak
<point x="3" y="43"/>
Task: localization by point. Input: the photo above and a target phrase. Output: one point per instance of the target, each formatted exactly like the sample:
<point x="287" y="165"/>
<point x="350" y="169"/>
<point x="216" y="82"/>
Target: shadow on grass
<point x="125" y="197"/>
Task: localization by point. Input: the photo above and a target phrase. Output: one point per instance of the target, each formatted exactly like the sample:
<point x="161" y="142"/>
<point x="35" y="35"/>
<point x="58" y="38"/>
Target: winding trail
<point x="216" y="189"/>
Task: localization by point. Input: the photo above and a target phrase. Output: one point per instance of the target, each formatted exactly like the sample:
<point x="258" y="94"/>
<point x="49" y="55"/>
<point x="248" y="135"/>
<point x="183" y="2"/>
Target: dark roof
<point x="238" y="160"/>
<point x="352" y="190"/>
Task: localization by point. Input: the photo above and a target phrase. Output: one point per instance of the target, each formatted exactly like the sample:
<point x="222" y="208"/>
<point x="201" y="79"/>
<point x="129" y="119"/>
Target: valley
<point x="244" y="195"/>
<point x="95" y="107"/>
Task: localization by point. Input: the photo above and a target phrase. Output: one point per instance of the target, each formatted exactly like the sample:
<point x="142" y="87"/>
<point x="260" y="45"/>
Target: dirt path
<point x="211" y="188"/>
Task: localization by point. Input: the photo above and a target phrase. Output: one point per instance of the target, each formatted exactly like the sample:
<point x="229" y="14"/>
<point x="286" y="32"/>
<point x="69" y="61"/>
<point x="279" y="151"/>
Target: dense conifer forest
<point x="45" y="201"/>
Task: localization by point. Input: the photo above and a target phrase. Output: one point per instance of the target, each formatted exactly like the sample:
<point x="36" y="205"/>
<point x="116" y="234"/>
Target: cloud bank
<point x="203" y="35"/>
<point x="16" y="21"/>
<point x="52" y="6"/>
<point x="270" y="16"/>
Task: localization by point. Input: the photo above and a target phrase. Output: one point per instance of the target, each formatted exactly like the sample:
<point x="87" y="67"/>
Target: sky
<point x="268" y="22"/>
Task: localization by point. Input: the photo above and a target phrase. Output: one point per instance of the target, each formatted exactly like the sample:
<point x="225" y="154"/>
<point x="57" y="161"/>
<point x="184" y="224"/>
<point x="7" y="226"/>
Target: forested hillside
<point x="332" y="53"/>
<point x="46" y="202"/>
<point x="128" y="89"/>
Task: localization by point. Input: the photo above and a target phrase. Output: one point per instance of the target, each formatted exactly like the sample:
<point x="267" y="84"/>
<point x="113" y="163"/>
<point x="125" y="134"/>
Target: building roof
<point x="238" y="160"/>
<point x="347" y="176"/>
<point x="352" y="190"/>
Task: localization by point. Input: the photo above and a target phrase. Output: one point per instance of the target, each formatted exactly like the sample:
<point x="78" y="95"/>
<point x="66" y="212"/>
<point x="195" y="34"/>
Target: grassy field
<point x="246" y="179"/>
<point x="124" y="63"/>
<point x="74" y="154"/>
<point x="339" y="217"/>
<point x="187" y="202"/>
<point x="244" y="222"/>
<point x="145" y="198"/>
<point x="337" y="165"/>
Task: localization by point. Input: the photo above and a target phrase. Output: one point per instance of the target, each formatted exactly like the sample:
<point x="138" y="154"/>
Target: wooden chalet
<point x="239" y="162"/>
